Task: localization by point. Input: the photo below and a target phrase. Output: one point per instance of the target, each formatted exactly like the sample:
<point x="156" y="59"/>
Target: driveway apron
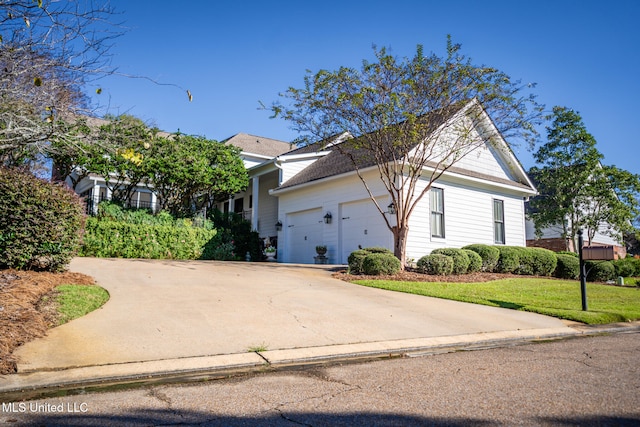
<point x="161" y="309"/>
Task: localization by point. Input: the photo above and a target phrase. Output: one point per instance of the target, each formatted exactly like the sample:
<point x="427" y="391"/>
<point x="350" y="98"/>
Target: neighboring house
<point x="312" y="196"/>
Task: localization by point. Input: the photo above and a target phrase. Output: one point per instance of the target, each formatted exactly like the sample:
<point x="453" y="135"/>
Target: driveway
<point x="163" y="309"/>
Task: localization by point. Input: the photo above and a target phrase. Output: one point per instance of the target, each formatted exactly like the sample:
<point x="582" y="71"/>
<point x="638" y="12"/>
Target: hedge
<point x="475" y="261"/>
<point x="104" y="238"/>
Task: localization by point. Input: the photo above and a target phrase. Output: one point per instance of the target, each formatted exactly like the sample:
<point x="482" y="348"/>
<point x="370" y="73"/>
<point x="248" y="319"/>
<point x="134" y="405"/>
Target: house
<point x="312" y="196"/>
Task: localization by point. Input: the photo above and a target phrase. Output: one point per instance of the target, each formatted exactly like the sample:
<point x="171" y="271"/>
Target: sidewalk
<point x="169" y="320"/>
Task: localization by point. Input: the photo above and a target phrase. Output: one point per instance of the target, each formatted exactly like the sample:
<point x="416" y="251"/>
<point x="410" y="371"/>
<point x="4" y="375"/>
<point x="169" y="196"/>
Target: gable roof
<point x="258" y="145"/>
<point x="342" y="155"/>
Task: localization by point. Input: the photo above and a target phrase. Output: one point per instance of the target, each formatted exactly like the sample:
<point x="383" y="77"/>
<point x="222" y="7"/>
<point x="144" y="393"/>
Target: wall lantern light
<point x="327" y="218"/>
<point x="391" y="209"/>
<point x="279" y="225"/>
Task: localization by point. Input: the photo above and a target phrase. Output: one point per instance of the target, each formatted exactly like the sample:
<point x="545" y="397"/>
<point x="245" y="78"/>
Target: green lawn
<point x="77" y="300"/>
<point x="558" y="298"/>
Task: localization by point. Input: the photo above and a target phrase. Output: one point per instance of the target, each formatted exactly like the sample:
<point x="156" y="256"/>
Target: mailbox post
<point x="583" y="274"/>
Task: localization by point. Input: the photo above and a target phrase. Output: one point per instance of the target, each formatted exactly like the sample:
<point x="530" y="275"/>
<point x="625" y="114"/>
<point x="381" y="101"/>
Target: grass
<point x="258" y="348"/>
<point x="558" y="298"/>
<point x="77" y="300"/>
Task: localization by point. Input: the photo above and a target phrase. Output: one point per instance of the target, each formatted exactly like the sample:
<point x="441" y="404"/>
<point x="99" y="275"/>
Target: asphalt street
<point x="583" y="381"/>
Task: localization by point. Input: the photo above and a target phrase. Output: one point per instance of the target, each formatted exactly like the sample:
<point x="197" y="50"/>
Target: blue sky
<point x="582" y="54"/>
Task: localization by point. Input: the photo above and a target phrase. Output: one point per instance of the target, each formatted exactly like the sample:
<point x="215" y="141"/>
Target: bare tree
<point x="49" y="51"/>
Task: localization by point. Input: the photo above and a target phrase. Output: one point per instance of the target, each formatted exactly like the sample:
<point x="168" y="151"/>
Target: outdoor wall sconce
<point x="391" y="209"/>
<point x="327" y="218"/>
<point x="279" y="225"/>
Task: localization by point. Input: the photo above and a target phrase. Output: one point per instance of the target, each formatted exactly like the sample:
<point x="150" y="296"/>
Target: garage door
<point x="361" y="225"/>
<point x="304" y="231"/>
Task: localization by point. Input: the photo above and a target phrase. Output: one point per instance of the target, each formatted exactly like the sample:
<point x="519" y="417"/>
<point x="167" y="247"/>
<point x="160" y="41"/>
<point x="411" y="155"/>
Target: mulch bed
<point x="24" y="315"/>
<point x="414" y="276"/>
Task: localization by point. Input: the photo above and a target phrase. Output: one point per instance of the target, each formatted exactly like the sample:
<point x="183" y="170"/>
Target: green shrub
<point x="356" y="258"/>
<point x="573" y="254"/>
<point x="568" y="267"/>
<point x="475" y="261"/>
<point x="239" y="232"/>
<point x="460" y="259"/>
<point x="380" y="263"/>
<point x="489" y="255"/>
<point x="544" y="261"/>
<point x="625" y="267"/>
<point x="118" y="239"/>
<point x="355" y="261"/>
<point x="41" y="223"/>
<point x="509" y="260"/>
<point x="436" y="264"/>
<point x="526" y="261"/>
<point x="600" y="271"/>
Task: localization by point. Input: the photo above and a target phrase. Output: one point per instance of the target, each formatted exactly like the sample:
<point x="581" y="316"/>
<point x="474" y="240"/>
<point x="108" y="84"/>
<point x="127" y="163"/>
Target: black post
<point x="583" y="274"/>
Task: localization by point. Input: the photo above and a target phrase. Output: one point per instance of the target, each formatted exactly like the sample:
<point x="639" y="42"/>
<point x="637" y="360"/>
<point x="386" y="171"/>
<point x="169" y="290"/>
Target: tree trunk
<point x="400" y="235"/>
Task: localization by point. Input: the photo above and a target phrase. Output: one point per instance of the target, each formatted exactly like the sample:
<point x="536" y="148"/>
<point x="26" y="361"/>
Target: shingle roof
<point x="345" y="156"/>
<point x="342" y="156"/>
<point x="258" y="144"/>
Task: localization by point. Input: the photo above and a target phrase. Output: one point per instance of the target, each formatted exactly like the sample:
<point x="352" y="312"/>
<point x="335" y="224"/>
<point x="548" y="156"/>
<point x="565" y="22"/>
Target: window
<point x="437" y="212"/>
<point x="498" y="221"/>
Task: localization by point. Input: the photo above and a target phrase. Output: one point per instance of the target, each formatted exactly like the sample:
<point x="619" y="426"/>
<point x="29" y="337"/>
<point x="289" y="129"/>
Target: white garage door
<point x="361" y="225"/>
<point x="304" y="231"/>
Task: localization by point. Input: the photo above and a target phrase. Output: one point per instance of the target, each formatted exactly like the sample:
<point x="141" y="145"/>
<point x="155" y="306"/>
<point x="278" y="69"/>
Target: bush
<point x="460" y="259"/>
<point x="544" y="261"/>
<point x="489" y="255"/>
<point x="237" y="230"/>
<point x="475" y="261"/>
<point x="436" y="264"/>
<point x="526" y="261"/>
<point x="509" y="260"/>
<point x="118" y="239"/>
<point x="380" y="263"/>
<point x="356" y="258"/>
<point x="41" y="223"/>
<point x="625" y="267"/>
<point x="568" y="267"/>
<point x="600" y="271"/>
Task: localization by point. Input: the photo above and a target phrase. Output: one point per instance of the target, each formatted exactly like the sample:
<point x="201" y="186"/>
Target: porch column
<point x="95" y="198"/>
<point x="255" y="189"/>
<point x="154" y="200"/>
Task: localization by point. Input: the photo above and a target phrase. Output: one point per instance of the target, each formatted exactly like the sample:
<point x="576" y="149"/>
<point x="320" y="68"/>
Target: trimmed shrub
<point x="356" y="258"/>
<point x="600" y="271"/>
<point x="436" y="264"/>
<point x="509" y="260"/>
<point x="380" y="263"/>
<point x="544" y="261"/>
<point x="525" y="257"/>
<point x="489" y="255"/>
<point x="355" y="261"/>
<point x="460" y="259"/>
<point x="475" y="261"/>
<point x="568" y="267"/>
<point x="41" y="223"/>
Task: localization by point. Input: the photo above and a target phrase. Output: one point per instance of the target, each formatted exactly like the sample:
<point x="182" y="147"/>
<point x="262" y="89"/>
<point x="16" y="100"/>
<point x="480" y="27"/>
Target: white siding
<point x="292" y="168"/>
<point x="468" y="219"/>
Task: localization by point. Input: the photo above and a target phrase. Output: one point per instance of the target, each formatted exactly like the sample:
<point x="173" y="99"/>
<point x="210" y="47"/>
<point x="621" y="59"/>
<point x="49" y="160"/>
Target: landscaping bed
<point x="28" y="308"/>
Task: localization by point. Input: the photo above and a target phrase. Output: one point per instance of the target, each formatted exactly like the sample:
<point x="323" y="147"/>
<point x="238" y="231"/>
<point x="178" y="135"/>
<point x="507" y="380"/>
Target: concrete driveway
<point x="162" y="310"/>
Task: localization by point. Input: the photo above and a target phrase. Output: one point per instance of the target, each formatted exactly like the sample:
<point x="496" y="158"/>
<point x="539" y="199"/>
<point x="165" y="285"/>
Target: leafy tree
<point x="123" y="165"/>
<point x="392" y="105"/>
<point x="576" y="190"/>
<point x="191" y="171"/>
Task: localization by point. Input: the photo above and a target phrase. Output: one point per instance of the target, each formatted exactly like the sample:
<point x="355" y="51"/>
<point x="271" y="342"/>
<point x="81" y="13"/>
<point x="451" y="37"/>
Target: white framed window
<point x="498" y="222"/>
<point x="436" y="197"/>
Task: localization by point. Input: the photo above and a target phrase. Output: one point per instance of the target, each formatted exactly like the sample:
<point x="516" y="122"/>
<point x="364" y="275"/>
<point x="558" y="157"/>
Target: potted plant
<point x="270" y="252"/>
<point x="321" y="250"/>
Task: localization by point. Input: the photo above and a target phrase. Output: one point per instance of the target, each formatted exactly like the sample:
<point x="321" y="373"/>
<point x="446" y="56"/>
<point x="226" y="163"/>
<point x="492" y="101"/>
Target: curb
<point x="39" y="384"/>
